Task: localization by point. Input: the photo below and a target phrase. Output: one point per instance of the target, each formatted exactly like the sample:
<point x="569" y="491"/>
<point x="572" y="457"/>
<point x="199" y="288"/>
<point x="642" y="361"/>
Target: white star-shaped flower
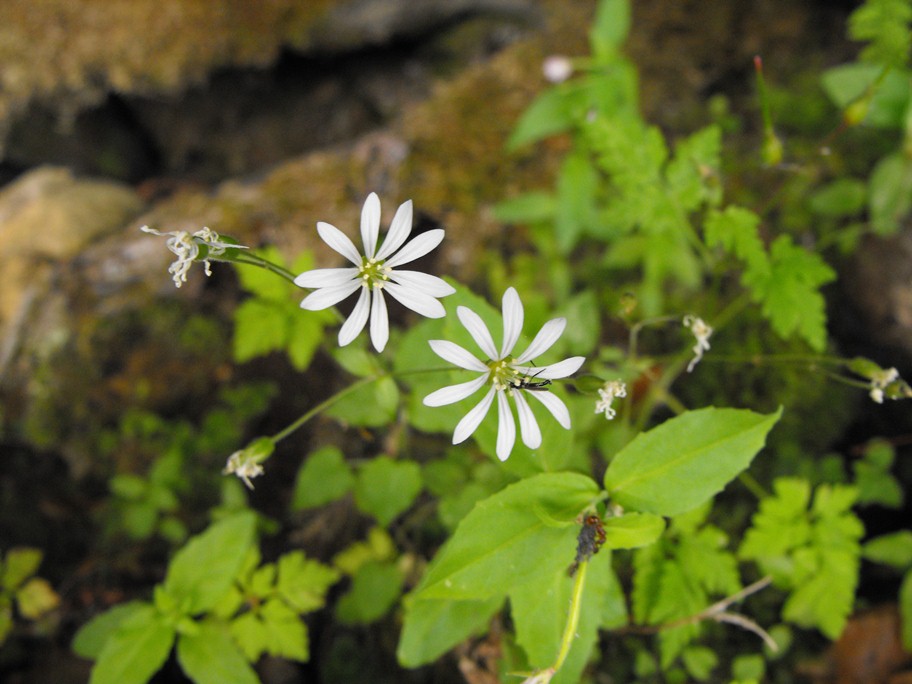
<point x="376" y="272"/>
<point x="508" y="376"/>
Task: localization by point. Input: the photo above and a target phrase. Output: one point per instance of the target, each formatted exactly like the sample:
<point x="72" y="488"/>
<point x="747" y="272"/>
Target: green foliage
<point x="675" y="578"/>
<point x="811" y="549"/>
<point x="271" y="319"/>
<point x="32" y="597"/>
<point x="384" y="487"/>
<point x="323" y="477"/>
<point x="710" y="447"/>
<point x="884" y="24"/>
<point x="785" y="281"/>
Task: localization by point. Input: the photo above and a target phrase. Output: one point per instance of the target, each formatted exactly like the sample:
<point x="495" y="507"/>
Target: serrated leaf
<point x="286" y="634"/>
<point x="303" y="582"/>
<point x="325" y="476"/>
<point x="678" y="465"/>
<point x="375" y="588"/>
<point x="791" y="298"/>
<point x="261" y="282"/>
<point x="825" y="600"/>
<point x="431" y="627"/>
<point x="136" y="650"/>
<point x="305" y="334"/>
<point x="203" y="570"/>
<point x="520" y="531"/>
<point x="384" y="488"/>
<point x="210" y="656"/>
<point x="93" y="635"/>
<point x="260" y="326"/>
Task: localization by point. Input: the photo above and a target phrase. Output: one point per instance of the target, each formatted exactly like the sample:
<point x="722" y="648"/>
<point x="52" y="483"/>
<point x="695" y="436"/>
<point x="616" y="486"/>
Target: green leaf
<point x="303" y="582"/>
<point x="890" y="190"/>
<point x="736" y="230"/>
<point x="203" y="570"/>
<point x="577" y="185"/>
<point x="260" y="327"/>
<point x="539" y="611"/>
<point x="375" y="588"/>
<point x="210" y="656"/>
<point x="550" y="113"/>
<point x="305" y="334"/>
<point x="699" y="661"/>
<point x="263" y="283"/>
<point x="325" y="476"/>
<point x="609" y="29"/>
<point x="136" y="650"/>
<point x="510" y="536"/>
<point x="531" y="207"/>
<point x="905" y="610"/>
<point x="678" y="465"/>
<point x="894" y="549"/>
<point x="633" y="530"/>
<point x="93" y="635"/>
<point x="790" y="296"/>
<point x="885" y="25"/>
<point x="842" y="197"/>
<point x="431" y="627"/>
<point x="887" y="104"/>
<point x="35" y="598"/>
<point x="826" y="599"/>
<point x="385" y="488"/>
<point x="285" y="632"/>
<point x="372" y="405"/>
<point x="20" y="564"/>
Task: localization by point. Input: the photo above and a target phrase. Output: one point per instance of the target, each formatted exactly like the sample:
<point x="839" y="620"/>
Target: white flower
<point x="508" y="376"/>
<point x="187" y="249"/>
<point x="607" y="394"/>
<point x="702" y="332"/>
<point x="244" y="466"/>
<point x="557" y="68"/>
<point x="879" y="382"/>
<point x="373" y="272"/>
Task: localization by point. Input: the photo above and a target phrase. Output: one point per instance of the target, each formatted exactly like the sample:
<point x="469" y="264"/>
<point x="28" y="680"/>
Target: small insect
<point x="528" y="382"/>
<point x="588" y="542"/>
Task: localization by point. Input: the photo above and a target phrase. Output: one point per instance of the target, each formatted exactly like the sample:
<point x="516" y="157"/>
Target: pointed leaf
<point x="678" y="465"/>
<point x="210" y="656"/>
<point x="136" y="651"/>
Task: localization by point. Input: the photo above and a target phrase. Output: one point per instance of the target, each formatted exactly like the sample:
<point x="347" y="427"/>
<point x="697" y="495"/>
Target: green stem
<point x="576" y="606"/>
<point x="358" y="384"/>
<point x="244" y="257"/>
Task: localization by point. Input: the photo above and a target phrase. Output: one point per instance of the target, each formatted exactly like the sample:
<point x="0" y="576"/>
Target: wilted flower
<point x="375" y="272"/>
<point x="186" y="247"/>
<point x="243" y="465"/>
<point x="702" y="332"/>
<point x="880" y="380"/>
<point x="607" y="394"/>
<point x="508" y="376"/>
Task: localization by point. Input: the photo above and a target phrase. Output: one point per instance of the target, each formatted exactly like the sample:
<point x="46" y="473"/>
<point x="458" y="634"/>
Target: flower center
<point x="373" y="273"/>
<point x="503" y="376"/>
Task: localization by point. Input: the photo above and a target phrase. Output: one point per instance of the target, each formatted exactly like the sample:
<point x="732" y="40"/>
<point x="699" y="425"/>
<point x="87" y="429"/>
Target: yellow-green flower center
<point x="373" y="273"/>
<point x="503" y="375"/>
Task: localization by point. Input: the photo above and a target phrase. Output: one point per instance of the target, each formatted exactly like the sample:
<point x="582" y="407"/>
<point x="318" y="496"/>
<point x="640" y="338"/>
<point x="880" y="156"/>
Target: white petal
<point x="379" y="326"/>
<point x="512" y="321"/>
<point x="418" y="247"/>
<point x="326" y="277"/>
<point x="561" y="369"/>
<point x="452" y="352"/>
<point x="473" y="418"/>
<point x="528" y="426"/>
<point x="370" y="224"/>
<point x="355" y="323"/>
<point x="399" y="230"/>
<point x="336" y="239"/>
<point x="326" y="297"/>
<point x="453" y="393"/>
<point x="478" y="330"/>
<point x="432" y="285"/>
<point x="549" y="334"/>
<point x="557" y="407"/>
<point x="417" y="301"/>
<point x="506" y="427"/>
